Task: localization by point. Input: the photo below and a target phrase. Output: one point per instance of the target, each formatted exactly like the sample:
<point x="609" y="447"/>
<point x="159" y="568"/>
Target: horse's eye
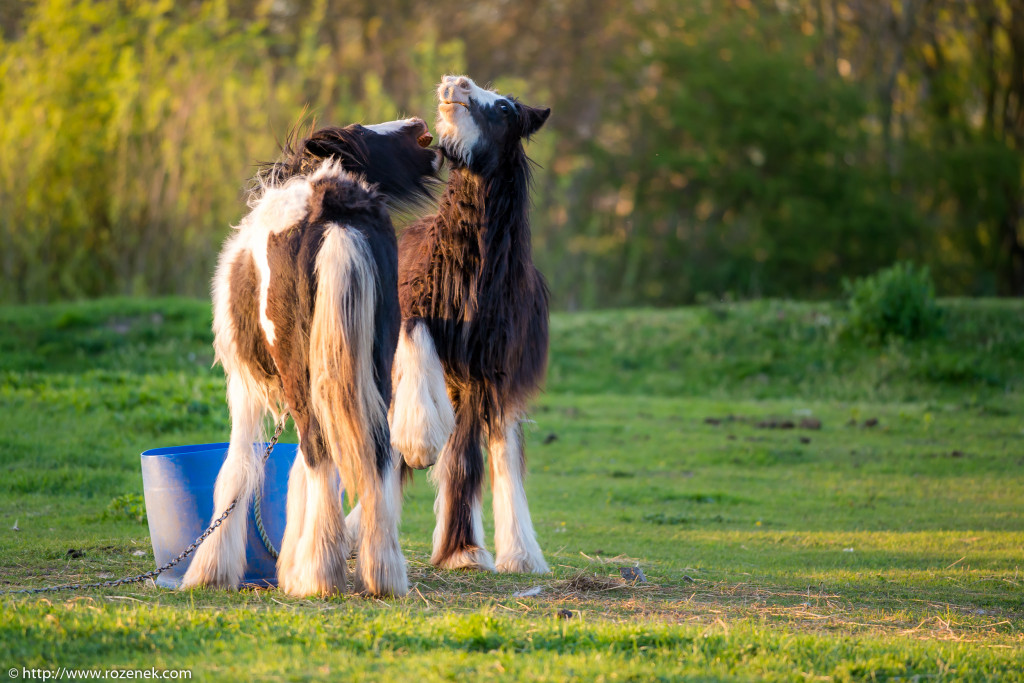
<point x="503" y="106"/>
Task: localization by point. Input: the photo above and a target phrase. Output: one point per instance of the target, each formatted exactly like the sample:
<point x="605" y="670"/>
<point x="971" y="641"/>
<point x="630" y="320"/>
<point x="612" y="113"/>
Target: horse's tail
<point x="345" y="396"/>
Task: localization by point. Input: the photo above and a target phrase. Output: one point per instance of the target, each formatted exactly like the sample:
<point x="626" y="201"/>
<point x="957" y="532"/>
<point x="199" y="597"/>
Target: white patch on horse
<point x="515" y="542"/>
<point x="455" y="125"/>
<point x="421" y="416"/>
<point x="278" y="209"/>
<point x="389" y="127"/>
<point x="332" y="168"/>
<point x="486" y="98"/>
<point x="224" y="348"/>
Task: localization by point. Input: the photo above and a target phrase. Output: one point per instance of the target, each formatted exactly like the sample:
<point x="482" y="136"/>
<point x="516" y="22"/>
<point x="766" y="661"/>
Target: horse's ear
<point x="535" y="118"/>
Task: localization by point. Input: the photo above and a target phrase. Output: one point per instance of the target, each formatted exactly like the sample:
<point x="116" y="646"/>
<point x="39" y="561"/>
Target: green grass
<point x="846" y="552"/>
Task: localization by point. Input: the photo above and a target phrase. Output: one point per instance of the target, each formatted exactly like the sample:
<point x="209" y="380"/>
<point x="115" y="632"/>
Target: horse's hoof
<point x="475" y="558"/>
<point x="522" y="563"/>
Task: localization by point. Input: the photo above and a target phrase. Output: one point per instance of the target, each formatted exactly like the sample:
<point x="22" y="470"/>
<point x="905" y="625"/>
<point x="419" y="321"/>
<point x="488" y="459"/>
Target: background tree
<point x="697" y="148"/>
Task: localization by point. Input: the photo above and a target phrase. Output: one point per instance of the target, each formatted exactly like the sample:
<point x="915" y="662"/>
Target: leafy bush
<point x="896" y="302"/>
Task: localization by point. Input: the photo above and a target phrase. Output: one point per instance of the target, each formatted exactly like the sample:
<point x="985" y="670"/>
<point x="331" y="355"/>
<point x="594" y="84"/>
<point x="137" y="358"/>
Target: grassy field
<point x="803" y="507"/>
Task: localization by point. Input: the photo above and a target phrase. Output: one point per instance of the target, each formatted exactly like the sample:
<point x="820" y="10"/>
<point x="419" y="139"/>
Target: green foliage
<point x="749" y="147"/>
<point x="112" y="180"/>
<point x="755" y="175"/>
<point x="896" y="302"/>
<point x="125" y="155"/>
<point x="130" y="506"/>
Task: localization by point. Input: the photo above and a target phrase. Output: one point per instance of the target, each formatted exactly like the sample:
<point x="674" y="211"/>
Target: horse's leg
<point x="220" y="560"/>
<point x="515" y="542"/>
<point x="354" y="522"/>
<point x="318" y="564"/>
<point x="315" y="546"/>
<point x="351" y="352"/>
<point x="296" y="512"/>
<point x="421" y="416"/>
<point x="458" y="474"/>
<point x="380" y="565"/>
<point x="314" y="550"/>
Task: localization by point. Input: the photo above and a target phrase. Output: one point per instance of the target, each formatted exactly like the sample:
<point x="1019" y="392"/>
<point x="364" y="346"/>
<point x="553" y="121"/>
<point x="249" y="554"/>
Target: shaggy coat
<point x="467" y="275"/>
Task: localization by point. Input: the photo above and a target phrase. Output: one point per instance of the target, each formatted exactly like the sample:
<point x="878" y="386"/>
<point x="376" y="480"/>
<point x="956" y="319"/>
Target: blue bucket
<point x="178" y="483"/>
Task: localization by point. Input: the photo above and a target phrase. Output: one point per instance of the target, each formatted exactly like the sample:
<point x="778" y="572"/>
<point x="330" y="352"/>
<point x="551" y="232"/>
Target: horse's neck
<point x="482" y="232"/>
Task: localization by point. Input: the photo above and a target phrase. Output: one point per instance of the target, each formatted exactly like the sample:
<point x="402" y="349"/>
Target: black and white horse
<point x="306" y="318"/>
<point x="471" y="296"/>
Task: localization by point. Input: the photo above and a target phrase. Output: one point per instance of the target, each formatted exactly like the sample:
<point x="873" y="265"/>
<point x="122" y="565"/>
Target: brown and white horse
<point x="307" y="319"/>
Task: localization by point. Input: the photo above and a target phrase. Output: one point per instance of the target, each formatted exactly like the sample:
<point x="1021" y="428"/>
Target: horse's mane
<point x="302" y="153"/>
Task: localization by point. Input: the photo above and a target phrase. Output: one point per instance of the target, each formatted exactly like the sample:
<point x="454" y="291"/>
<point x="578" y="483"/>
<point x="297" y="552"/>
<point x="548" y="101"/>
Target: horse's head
<point x="394" y="156"/>
<point x="479" y="128"/>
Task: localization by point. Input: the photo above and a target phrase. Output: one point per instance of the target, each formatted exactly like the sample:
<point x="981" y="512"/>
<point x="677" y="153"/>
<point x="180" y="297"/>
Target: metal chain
<point x="184" y="554"/>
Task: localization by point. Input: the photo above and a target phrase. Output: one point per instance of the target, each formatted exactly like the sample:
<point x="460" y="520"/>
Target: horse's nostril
<point x="463" y="83"/>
